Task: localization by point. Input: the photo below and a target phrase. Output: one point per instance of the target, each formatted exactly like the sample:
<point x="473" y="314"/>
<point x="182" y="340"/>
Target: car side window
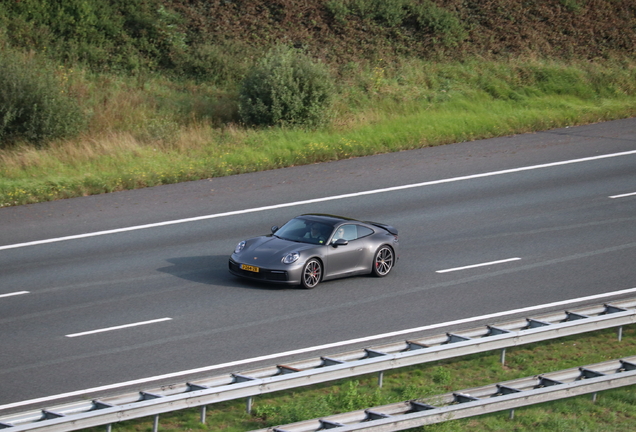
<point x="351" y="232"/>
<point x="347" y="232"/>
<point x="363" y="231"/>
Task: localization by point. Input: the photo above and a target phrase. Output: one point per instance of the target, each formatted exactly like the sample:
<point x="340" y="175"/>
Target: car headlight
<point x="239" y="247"/>
<point x="291" y="257"/>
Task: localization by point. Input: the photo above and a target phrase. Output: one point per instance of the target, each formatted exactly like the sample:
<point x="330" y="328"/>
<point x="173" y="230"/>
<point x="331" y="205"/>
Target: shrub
<point x="105" y="35"/>
<point x="221" y="64"/>
<point x="388" y="12"/>
<point x="444" y="25"/>
<point x="33" y="104"/>
<point x="391" y="12"/>
<point x="572" y="5"/>
<point x="339" y="10"/>
<point x="286" y="88"/>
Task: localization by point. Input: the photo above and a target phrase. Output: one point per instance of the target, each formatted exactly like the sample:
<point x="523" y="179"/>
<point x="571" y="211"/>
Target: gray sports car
<point x="314" y="247"/>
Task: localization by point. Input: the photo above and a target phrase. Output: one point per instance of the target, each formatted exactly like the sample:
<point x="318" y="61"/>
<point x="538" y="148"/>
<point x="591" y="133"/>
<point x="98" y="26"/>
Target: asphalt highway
<point x="127" y="286"/>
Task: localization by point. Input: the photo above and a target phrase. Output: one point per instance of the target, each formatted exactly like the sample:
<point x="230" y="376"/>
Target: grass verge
<point x="120" y="162"/>
<point x="162" y="132"/>
<point x="614" y="410"/>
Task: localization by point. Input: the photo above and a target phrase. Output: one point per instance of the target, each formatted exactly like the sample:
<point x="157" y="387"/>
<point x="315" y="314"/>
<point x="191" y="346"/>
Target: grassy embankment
<point x="382" y="109"/>
<point x="614" y="410"/>
<point x="158" y="82"/>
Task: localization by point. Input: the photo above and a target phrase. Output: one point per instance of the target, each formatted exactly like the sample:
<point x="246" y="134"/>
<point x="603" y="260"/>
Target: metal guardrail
<point x="477" y="401"/>
<point x="84" y="414"/>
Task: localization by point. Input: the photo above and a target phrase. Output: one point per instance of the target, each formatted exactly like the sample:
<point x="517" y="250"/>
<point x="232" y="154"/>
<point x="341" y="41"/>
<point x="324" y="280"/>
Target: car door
<point x="346" y="259"/>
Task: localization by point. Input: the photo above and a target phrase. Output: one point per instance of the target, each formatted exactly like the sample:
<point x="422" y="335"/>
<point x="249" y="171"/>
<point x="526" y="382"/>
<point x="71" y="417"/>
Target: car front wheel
<point x="312" y="273"/>
<point x="383" y="261"/>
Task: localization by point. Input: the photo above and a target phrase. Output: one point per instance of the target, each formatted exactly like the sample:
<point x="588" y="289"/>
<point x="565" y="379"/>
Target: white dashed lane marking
<point x="477" y="265"/>
<point x="17" y="293"/>
<point x="117" y="327"/>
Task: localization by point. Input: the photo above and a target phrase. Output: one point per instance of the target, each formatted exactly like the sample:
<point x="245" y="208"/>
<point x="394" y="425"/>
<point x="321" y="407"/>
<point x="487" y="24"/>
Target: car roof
<point x="332" y="220"/>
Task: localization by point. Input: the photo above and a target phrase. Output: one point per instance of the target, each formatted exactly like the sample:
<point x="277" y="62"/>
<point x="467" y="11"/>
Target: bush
<point x="286" y="88"/>
<point x="33" y="105"/>
<point x="104" y="35"/>
<point x="444" y="25"/>
<point x="392" y="12"/>
<point x="221" y="64"/>
<point x="388" y="12"/>
<point x="339" y="10"/>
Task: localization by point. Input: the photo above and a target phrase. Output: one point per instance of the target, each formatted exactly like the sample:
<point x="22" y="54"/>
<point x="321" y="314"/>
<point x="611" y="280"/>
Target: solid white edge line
<point x="624" y="195"/>
<point x="317" y="200"/>
<point x="316" y="348"/>
<point x="14" y="294"/>
<point x="117" y="327"/>
<point x="477" y="265"/>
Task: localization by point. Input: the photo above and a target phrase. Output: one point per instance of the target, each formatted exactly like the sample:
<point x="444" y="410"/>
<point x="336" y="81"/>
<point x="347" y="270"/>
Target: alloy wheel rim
<point x="384" y="261"/>
<point x="312" y="274"/>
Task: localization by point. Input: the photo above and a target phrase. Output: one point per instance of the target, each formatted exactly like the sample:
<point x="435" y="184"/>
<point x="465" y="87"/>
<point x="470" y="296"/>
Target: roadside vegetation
<point x="99" y="97"/>
<point x="613" y="410"/>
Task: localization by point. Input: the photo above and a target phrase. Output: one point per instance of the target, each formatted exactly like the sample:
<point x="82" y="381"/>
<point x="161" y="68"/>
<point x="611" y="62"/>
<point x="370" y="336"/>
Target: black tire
<point x="312" y="274"/>
<point x="383" y="261"/>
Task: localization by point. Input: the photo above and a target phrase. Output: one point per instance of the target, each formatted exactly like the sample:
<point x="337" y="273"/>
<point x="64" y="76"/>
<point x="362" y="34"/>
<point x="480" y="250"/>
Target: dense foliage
<point x="220" y="45"/>
<point x="215" y="39"/>
<point x="112" y="35"/>
<point x="342" y="31"/>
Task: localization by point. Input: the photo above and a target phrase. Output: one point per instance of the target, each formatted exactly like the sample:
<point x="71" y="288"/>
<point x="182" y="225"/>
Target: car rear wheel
<point x="312" y="273"/>
<point x="383" y="261"/>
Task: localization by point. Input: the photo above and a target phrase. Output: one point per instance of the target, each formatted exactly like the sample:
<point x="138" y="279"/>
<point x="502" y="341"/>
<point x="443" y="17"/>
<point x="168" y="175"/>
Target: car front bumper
<point x="265" y="275"/>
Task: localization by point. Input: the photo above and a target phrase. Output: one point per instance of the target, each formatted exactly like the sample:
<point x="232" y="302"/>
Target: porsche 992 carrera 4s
<point x="313" y="248"/>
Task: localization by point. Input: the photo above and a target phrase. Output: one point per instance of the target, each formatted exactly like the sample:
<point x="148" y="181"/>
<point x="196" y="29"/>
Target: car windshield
<point x="305" y="231"/>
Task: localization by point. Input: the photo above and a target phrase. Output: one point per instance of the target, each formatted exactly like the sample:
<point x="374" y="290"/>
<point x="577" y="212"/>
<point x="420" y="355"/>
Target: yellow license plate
<point x="250" y="268"/>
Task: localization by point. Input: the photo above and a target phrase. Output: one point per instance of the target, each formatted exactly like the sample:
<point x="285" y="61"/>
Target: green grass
<point x="152" y="136"/>
<point x="614" y="410"/>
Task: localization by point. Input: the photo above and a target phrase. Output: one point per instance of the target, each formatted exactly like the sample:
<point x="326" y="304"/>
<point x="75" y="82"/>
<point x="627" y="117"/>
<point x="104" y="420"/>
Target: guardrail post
<point x="380" y="378"/>
<point x="249" y="405"/>
<point x="594" y="397"/>
<point x="109" y="428"/>
<point x="512" y="414"/>
<point x="620" y="333"/>
<point x="503" y="356"/>
<point x="155" y="424"/>
<point x="203" y="411"/>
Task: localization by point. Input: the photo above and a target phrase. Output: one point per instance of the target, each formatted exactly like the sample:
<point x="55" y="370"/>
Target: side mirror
<point x="340" y="242"/>
<point x="274" y="229"/>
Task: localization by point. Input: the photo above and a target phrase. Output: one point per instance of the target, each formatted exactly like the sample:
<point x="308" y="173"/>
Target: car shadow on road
<point x="211" y="270"/>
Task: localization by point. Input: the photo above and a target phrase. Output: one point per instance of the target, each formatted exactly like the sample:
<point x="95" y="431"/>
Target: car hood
<point x="270" y="249"/>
